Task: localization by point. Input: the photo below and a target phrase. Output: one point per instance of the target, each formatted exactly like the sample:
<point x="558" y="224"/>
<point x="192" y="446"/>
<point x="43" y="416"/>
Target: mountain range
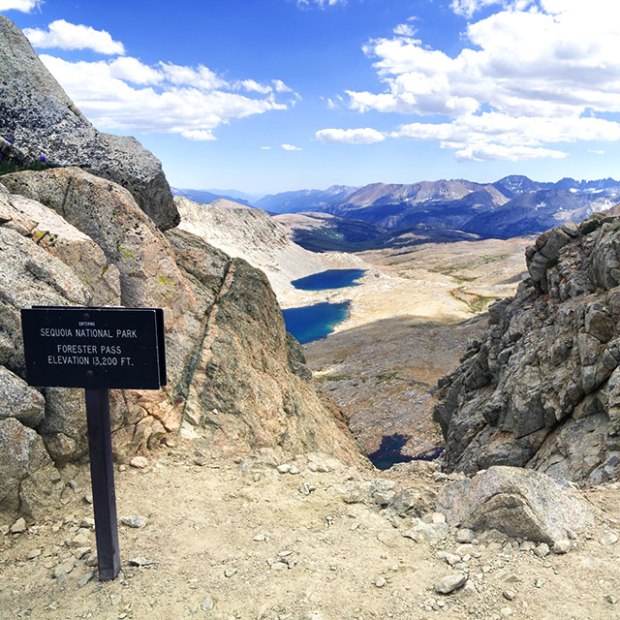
<point x="393" y="215"/>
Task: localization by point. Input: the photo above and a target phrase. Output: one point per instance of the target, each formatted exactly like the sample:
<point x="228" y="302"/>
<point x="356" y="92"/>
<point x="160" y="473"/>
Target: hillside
<point x="305" y="200"/>
<point x="540" y="389"/>
<point x="261" y="240"/>
<point x="72" y="238"/>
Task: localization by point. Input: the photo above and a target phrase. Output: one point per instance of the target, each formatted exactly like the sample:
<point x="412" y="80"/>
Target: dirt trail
<point x="228" y="540"/>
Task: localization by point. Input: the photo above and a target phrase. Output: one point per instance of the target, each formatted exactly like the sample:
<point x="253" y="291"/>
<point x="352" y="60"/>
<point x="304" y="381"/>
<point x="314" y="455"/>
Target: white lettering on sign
<point x="84" y="360"/>
<point x="88" y="354"/>
<point x="63" y="360"/>
<point x="76" y="348"/>
<point x="89" y="332"/>
<point x="85" y="332"/>
<point x="55" y="332"/>
<point x="126" y="333"/>
<point x="107" y="350"/>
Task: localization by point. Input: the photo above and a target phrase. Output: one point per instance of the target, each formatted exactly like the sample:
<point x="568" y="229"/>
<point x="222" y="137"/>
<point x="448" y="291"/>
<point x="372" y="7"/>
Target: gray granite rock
<point x="39" y="121"/>
<point x="19" y="400"/>
<point x="518" y="502"/>
<point x="541" y="389"/>
<point x="451" y="583"/>
<point x="30" y="482"/>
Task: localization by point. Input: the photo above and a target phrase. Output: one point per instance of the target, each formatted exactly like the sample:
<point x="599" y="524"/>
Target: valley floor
<point x="226" y="540"/>
<point x="410" y="321"/>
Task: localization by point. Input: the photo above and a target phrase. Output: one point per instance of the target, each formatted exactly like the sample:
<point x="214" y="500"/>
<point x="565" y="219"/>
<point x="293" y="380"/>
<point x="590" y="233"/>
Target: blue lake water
<point x="390" y="452"/>
<point x="332" y="278"/>
<point x="310" y="323"/>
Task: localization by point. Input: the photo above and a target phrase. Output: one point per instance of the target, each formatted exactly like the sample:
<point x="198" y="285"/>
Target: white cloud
<point x="320" y="3"/>
<point x="526" y="68"/>
<point x="199" y="135"/>
<point x="253" y="86"/>
<point x="336" y="103"/>
<point x="404" y="30"/>
<point x="25" y="6"/>
<point x="280" y="87"/>
<point x="365" y="135"/>
<point x="124" y="94"/>
<point x="467" y="8"/>
<point x="66" y="36"/>
<point x="291" y="147"/>
<point x="265" y="148"/>
<point x="499" y="136"/>
<point x="198" y="77"/>
<point x="132" y="70"/>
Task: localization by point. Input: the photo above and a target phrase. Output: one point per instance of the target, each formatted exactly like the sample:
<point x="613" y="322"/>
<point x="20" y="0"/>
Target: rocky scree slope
<point x="542" y="390"/>
<point x="39" y="123"/>
<point x="253" y="235"/>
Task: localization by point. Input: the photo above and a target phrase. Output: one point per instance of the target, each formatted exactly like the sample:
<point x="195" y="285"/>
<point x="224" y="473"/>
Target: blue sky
<point x="272" y="95"/>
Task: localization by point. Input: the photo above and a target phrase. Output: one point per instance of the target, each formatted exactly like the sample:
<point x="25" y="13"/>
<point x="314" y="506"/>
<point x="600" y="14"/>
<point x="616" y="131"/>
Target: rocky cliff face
<point x="69" y="237"/>
<point x="38" y="122"/>
<point x="543" y="389"/>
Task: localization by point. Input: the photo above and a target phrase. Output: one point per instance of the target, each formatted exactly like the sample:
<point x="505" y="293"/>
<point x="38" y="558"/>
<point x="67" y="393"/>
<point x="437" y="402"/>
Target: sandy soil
<point x="228" y="540"/>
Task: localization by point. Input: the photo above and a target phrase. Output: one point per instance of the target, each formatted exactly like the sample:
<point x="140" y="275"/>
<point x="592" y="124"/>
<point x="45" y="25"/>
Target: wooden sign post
<point x="97" y="349"/>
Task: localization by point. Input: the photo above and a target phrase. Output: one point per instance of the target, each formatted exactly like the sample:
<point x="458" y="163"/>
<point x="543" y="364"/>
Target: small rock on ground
<point x="450" y="583"/>
<point x="139" y="462"/>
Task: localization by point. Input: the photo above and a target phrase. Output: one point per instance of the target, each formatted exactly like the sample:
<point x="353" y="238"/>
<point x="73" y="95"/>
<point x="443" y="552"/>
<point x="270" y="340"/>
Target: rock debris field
<point x="303" y="539"/>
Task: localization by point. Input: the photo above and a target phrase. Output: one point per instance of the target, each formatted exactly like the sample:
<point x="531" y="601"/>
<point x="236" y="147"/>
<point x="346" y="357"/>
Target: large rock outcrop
<point x="38" y="122"/>
<point x="234" y="376"/>
<point x="91" y="235"/>
<point x="543" y="389"/>
<point x="517" y="502"/>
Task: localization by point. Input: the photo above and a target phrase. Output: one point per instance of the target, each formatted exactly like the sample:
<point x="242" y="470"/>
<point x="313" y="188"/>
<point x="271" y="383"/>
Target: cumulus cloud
<point x="499" y="136"/>
<point x="254" y="86"/>
<point x="365" y="135"/>
<point x="404" y="30"/>
<point x="66" y="36"/>
<point x="291" y="147"/>
<point x="525" y="69"/>
<point x="123" y="94"/>
<point x="25" y="6"/>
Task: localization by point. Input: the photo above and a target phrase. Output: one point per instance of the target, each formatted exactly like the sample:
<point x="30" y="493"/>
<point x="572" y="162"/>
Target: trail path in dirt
<point x="320" y="541"/>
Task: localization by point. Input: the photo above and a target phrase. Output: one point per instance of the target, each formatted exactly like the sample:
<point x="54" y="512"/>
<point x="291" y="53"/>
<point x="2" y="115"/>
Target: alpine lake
<point x="309" y="323"/>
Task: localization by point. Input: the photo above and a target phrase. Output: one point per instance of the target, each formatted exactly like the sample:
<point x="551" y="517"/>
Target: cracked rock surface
<point x="541" y="389"/>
